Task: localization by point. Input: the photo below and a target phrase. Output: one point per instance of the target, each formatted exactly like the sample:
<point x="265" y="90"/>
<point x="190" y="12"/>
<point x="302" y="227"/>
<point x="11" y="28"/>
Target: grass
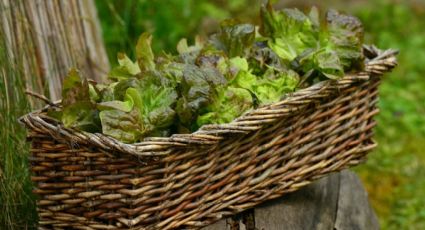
<point x="16" y="202"/>
<point x="394" y="175"/>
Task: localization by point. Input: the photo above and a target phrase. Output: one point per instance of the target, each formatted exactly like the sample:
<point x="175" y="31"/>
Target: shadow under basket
<point x="92" y="181"/>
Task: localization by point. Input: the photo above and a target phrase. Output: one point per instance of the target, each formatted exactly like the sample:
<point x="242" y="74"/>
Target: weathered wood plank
<point x="222" y="225"/>
<point x="354" y="211"/>
<point x="47" y="37"/>
<point x="338" y="201"/>
<point x="312" y="207"/>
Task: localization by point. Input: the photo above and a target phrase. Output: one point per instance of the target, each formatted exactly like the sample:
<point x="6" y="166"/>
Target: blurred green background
<point x="395" y="172"/>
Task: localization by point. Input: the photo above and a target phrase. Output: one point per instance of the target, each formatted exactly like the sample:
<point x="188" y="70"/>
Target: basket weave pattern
<point x="90" y="181"/>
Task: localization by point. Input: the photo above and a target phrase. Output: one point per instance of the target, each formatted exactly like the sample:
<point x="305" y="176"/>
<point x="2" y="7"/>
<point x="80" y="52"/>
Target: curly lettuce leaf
<point x="123" y="126"/>
<point x="262" y="58"/>
<point x="323" y="61"/>
<point x="234" y="38"/>
<point x="275" y="84"/>
<point x="78" y="110"/>
<point x="290" y="30"/>
<point x="268" y="88"/>
<point x="144" y="53"/>
<point x="346" y="38"/>
<point x="299" y="41"/>
<point x="146" y="111"/>
<point x="155" y="103"/>
<point x="126" y="68"/>
<point x="120" y="88"/>
<point x="188" y="54"/>
<point x="197" y="92"/>
<point x="229" y="103"/>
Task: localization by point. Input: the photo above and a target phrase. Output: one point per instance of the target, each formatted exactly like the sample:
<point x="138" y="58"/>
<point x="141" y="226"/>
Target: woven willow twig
<point x="91" y="181"/>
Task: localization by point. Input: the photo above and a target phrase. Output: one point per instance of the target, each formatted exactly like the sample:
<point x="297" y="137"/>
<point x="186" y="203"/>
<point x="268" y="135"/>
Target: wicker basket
<point x="91" y="181"/>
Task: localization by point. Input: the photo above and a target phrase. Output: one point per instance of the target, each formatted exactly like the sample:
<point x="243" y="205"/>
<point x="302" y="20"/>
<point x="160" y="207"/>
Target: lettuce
<point x="346" y="38"/>
<point x="197" y="91"/>
<point x="120" y="125"/>
<point x="291" y="32"/>
<point x="146" y="110"/>
<point x="313" y="49"/>
<point x="125" y="69"/>
<point x="214" y="80"/>
<point x="78" y="110"/>
<point x="144" y="53"/>
<point x="234" y="38"/>
<point x="229" y="103"/>
<point x="266" y="88"/>
<point x="246" y="91"/>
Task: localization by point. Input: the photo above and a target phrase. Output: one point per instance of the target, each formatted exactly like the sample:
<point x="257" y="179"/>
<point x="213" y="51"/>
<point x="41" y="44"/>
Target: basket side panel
<point x="80" y="187"/>
<point x="326" y="137"/>
<point x="83" y="187"/>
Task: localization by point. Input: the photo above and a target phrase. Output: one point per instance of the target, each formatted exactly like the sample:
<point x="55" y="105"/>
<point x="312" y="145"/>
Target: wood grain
<point x="47" y="37"/>
<point x="338" y="202"/>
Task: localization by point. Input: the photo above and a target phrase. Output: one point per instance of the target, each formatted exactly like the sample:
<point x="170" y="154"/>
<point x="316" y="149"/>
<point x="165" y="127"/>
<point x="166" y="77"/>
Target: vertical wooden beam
<point x="47" y="37"/>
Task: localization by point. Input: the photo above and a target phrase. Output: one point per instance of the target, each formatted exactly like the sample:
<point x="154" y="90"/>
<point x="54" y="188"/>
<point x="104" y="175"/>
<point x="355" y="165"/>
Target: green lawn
<point x="395" y="172"/>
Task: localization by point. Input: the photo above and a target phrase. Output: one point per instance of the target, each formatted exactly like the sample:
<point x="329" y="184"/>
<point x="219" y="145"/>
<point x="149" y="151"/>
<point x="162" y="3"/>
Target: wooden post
<point x="47" y="37"/>
<point x="337" y="201"/>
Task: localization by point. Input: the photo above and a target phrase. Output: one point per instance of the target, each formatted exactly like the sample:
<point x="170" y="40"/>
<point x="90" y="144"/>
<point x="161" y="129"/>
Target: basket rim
<point x="377" y="63"/>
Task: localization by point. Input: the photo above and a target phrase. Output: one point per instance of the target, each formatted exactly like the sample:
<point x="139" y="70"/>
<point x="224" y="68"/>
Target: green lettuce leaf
<point x="125" y="69"/>
<point x="263" y="58"/>
<point x="291" y="31"/>
<point x="78" y="110"/>
<point x="323" y="61"/>
<point x="197" y="92"/>
<point x="123" y="126"/>
<point x="148" y="107"/>
<point x="234" y="38"/>
<point x="275" y="84"/>
<point x="346" y="38"/>
<point x="144" y="53"/>
<point x="229" y="103"/>
<point x="188" y="54"/>
<point x="268" y="88"/>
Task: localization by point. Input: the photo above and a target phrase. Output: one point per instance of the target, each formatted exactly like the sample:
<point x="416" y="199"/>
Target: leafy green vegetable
<point x="234" y="38"/>
<point x="126" y="68"/>
<point x="121" y="125"/>
<point x="78" y="110"/>
<point x="230" y="102"/>
<point x="268" y="88"/>
<point x="291" y="32"/>
<point x="215" y="80"/>
<point x="346" y="38"/>
<point x="145" y="110"/>
<point x="262" y="58"/>
<point x="144" y="53"/>
<point x="197" y="88"/>
<point x="188" y="54"/>
<point x="324" y="61"/>
<point x="299" y="40"/>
